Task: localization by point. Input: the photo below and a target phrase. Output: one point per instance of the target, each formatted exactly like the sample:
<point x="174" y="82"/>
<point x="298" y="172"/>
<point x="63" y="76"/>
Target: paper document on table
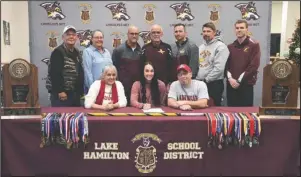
<point x="153" y="110"/>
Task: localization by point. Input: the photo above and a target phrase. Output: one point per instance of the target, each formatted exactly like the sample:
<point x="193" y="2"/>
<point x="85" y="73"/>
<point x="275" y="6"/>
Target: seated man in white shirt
<point x="107" y="93"/>
<point x="185" y="93"/>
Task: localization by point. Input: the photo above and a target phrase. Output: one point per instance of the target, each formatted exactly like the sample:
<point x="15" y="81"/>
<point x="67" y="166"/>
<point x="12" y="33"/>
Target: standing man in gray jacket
<point x="184" y="50"/>
<point x="126" y="59"/>
<point x="213" y="55"/>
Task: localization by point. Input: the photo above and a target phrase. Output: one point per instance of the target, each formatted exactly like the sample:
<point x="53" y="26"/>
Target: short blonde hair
<point x="106" y="69"/>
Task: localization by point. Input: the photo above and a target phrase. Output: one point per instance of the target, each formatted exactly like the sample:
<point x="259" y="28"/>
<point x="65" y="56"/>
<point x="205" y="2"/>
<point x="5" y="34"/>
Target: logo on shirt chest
<point x="203" y="55"/>
<point x="182" y="51"/>
<point x="161" y="51"/>
<point x="246" y="49"/>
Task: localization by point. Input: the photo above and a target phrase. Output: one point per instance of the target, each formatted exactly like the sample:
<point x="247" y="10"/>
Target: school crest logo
<point x="54" y="10"/>
<point x="117" y="38"/>
<point x="248" y="10"/>
<point x="145" y="158"/>
<point x="84" y="37"/>
<point x="118" y="11"/>
<point x="214" y="12"/>
<point x="85" y="13"/>
<point x="52" y="39"/>
<point x="183" y="11"/>
<point x="145" y="35"/>
<point x="149" y="13"/>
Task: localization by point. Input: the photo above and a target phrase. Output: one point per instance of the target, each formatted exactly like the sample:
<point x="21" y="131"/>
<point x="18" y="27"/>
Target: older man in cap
<point x="186" y="93"/>
<point x="65" y="72"/>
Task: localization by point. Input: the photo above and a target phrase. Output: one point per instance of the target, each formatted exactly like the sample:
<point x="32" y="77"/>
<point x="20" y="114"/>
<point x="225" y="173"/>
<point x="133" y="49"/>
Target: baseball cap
<point x="184" y="67"/>
<point x="68" y="28"/>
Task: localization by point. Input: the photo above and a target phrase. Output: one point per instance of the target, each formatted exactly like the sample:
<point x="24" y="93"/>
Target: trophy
<point x="280" y="89"/>
<point x="20" y="88"/>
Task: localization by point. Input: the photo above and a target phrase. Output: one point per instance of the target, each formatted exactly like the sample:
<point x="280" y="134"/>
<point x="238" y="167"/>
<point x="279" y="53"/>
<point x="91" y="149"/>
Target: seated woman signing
<point x="149" y="91"/>
<point x="107" y="93"/>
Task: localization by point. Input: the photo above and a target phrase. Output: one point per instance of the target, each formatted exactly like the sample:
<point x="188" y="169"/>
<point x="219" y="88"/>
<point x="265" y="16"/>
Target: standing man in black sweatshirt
<point x="65" y="72"/>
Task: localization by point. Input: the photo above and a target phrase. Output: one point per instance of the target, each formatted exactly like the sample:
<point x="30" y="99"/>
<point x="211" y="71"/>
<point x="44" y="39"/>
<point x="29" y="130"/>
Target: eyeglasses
<point x="156" y="32"/>
<point x="98" y="37"/>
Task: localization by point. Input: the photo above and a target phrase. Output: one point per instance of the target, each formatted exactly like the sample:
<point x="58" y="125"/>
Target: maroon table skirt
<point x="277" y="154"/>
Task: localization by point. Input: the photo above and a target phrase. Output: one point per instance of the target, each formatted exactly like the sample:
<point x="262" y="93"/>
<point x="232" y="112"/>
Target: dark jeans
<point x="73" y="100"/>
<point x="215" y="91"/>
<point x="240" y="97"/>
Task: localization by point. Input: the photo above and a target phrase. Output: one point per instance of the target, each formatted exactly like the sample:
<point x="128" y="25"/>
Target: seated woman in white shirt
<point x="107" y="93"/>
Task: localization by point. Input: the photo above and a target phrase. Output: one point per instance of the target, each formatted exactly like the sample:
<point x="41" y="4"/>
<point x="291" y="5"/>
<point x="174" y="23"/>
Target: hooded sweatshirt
<point x="213" y="56"/>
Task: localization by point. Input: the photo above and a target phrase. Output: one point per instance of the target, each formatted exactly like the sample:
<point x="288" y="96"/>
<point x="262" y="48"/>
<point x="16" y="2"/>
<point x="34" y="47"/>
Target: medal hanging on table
<point x="86" y="130"/>
<point x="209" y="123"/>
<point x="214" y="128"/>
<point x="251" y="129"/>
<point x="257" y="129"/>
<point x="219" y="132"/>
<point x="244" y="138"/>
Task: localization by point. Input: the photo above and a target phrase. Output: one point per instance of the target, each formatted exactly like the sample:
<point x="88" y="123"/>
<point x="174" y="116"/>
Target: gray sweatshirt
<point x="212" y="60"/>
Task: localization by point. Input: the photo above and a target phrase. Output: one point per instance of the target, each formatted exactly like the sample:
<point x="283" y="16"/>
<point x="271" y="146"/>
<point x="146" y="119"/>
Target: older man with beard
<point x="95" y="58"/>
<point x="242" y="67"/>
<point x="213" y="57"/>
<point x="126" y="58"/>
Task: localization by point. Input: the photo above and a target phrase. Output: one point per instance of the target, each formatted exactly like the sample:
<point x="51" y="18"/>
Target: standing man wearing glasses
<point x="65" y="73"/>
<point x="159" y="54"/>
<point x="95" y="58"/>
<point x="126" y="58"/>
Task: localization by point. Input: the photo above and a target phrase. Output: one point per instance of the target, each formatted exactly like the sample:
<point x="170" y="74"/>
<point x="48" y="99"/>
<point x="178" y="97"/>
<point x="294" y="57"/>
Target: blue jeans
<point x="73" y="100"/>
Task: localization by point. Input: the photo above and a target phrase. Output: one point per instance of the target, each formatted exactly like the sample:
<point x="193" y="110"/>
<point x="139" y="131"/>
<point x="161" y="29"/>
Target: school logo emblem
<point x="146" y="158"/>
<point x="84" y="37"/>
<point x="248" y="10"/>
<point x="85" y="13"/>
<point x="117" y="39"/>
<point x="214" y="13"/>
<point x="183" y="11"/>
<point x="46" y="61"/>
<point x="52" y="39"/>
<point x="118" y="11"/>
<point x="145" y="35"/>
<point x="54" y="10"/>
<point x="149" y="13"/>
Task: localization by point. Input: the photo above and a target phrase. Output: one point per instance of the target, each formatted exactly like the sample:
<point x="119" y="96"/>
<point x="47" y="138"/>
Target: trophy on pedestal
<point x="280" y="89"/>
<point x="20" y="88"/>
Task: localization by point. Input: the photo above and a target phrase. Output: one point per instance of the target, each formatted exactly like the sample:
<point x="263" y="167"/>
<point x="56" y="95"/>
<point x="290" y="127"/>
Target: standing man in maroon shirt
<point x="242" y="67"/>
<point x="159" y="54"/>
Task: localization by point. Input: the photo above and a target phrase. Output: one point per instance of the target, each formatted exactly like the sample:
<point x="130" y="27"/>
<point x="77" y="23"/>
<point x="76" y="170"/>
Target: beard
<point x="206" y="38"/>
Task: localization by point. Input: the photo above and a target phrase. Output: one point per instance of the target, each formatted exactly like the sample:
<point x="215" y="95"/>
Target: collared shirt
<point x="94" y="62"/>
